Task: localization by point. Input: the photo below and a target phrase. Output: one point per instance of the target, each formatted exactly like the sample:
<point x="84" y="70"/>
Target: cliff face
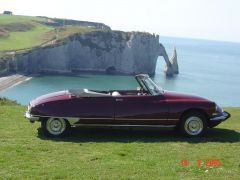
<point x="99" y="51"/>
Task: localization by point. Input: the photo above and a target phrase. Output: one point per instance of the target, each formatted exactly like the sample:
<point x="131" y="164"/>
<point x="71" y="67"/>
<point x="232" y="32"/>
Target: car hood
<point x="60" y="95"/>
<point x="171" y="95"/>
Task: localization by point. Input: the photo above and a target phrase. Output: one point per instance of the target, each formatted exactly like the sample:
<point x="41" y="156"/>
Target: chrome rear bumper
<point x="31" y="117"/>
<point x="221" y="117"/>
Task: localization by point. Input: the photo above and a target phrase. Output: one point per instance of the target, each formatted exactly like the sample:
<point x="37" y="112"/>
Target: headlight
<point x="218" y="109"/>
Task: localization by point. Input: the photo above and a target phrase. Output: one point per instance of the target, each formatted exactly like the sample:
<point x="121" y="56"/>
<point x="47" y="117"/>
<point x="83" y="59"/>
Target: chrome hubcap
<point x="193" y="125"/>
<point x="56" y="126"/>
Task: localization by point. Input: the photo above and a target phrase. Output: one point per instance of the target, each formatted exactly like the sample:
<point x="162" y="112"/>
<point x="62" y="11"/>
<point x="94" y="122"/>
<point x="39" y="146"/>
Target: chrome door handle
<point x="119" y="100"/>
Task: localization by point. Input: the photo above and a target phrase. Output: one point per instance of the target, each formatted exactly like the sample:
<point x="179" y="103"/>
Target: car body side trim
<point x="36" y="117"/>
<point x="143" y="119"/>
<point x="121" y="125"/>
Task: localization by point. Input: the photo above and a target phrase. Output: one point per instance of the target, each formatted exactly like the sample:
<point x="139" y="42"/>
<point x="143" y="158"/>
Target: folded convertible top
<point x="86" y="93"/>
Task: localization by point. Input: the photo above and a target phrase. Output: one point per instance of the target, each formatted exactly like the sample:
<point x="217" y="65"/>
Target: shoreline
<point x="12" y="80"/>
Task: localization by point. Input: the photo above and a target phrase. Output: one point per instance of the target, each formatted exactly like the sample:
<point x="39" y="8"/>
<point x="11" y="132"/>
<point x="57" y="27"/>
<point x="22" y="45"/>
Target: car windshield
<point x="152" y="87"/>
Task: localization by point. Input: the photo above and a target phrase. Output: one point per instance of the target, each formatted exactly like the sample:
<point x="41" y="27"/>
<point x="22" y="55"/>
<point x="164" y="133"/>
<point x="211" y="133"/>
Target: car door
<point x="92" y="110"/>
<point x="141" y="110"/>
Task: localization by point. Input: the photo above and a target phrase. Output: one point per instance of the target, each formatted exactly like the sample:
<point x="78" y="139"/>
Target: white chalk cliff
<point x="99" y="51"/>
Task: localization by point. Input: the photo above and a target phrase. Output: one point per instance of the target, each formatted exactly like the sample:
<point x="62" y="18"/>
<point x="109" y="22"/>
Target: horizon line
<point x="168" y="36"/>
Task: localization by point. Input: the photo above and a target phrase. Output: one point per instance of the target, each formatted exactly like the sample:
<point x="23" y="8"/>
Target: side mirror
<point x="138" y="88"/>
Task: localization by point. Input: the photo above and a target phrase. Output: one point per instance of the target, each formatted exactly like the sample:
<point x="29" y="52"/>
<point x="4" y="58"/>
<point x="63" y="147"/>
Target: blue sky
<point x="204" y="19"/>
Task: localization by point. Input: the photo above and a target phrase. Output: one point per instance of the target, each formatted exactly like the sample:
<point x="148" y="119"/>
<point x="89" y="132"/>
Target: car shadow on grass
<point x="83" y="134"/>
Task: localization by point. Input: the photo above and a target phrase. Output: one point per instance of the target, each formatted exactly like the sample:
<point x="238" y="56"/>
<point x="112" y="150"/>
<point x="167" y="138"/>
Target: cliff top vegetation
<point x="25" y="32"/>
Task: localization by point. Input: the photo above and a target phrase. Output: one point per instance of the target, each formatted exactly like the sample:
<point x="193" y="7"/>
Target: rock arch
<point x="171" y="66"/>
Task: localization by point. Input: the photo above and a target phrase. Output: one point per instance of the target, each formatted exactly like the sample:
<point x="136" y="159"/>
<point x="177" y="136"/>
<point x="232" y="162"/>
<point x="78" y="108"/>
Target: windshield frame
<point x="145" y="82"/>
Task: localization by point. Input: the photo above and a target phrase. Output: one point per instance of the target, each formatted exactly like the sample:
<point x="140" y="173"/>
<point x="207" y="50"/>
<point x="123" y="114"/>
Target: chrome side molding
<point x="122" y="125"/>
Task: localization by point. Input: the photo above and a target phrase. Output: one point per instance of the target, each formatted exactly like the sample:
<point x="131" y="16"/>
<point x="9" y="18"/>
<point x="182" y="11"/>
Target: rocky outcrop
<point x="98" y="51"/>
<point x="171" y="66"/>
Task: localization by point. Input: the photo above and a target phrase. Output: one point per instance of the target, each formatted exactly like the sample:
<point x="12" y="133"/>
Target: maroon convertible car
<point x="149" y="106"/>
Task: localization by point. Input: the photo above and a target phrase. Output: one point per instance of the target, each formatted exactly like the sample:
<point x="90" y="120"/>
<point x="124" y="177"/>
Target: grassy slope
<point x="6" y="19"/>
<point x="23" y="39"/>
<point x="36" y="36"/>
<point x="114" y="154"/>
<point x="68" y="30"/>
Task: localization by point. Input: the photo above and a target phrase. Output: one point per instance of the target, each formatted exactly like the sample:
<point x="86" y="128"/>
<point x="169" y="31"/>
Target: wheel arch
<point x="191" y="110"/>
<point x="44" y="118"/>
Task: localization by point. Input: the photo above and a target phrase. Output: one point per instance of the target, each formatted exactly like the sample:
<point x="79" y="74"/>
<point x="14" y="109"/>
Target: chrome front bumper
<point x="31" y="117"/>
<point x="221" y="117"/>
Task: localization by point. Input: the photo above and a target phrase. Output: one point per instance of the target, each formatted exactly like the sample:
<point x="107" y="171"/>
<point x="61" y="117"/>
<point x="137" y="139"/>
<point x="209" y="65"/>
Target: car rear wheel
<point x="193" y="124"/>
<point x="55" y="127"/>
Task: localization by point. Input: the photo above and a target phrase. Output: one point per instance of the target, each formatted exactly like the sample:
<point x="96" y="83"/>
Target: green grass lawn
<point x="27" y="39"/>
<point x="13" y="39"/>
<point x="113" y="153"/>
<point x="7" y="19"/>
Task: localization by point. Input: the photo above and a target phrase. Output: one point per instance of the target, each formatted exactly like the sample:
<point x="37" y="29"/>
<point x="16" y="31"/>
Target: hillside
<point x="23" y="32"/>
<point x="38" y="45"/>
<point x="112" y="154"/>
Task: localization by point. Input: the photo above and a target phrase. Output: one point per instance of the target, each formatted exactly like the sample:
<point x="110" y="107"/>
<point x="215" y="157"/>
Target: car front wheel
<point x="55" y="127"/>
<point x="193" y="124"/>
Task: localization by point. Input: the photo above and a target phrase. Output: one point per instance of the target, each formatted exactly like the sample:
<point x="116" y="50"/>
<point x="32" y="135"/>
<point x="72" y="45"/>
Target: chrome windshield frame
<point x="144" y="80"/>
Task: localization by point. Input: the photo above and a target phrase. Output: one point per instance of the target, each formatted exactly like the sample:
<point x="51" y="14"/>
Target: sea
<point x="207" y="68"/>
